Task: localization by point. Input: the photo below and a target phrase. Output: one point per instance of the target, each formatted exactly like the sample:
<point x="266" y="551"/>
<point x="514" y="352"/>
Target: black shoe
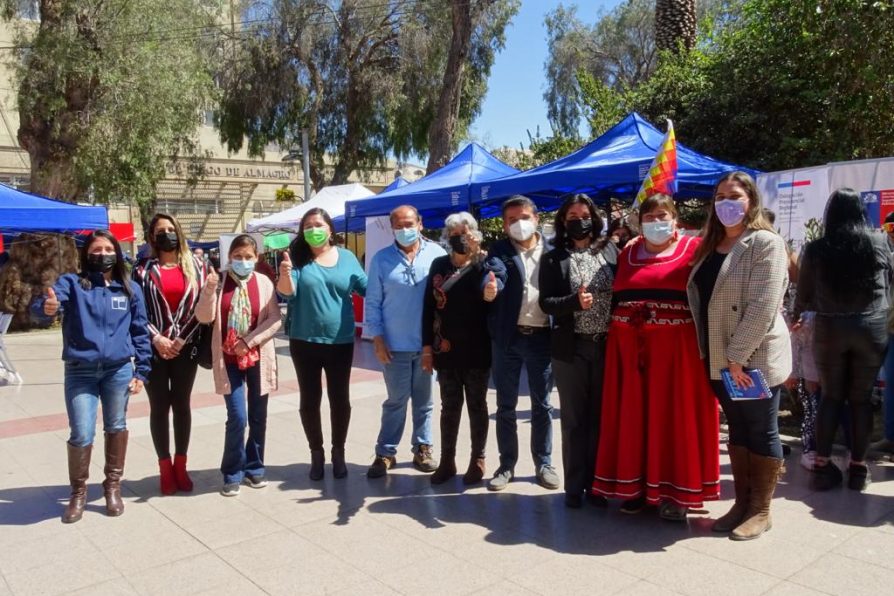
<point x="632" y="506"/>
<point x="317" y="459"/>
<point x="597" y="500"/>
<point x="574" y="500"/>
<point x="827" y="476"/>
<point x="858" y="477"/>
<point x="339" y="468"/>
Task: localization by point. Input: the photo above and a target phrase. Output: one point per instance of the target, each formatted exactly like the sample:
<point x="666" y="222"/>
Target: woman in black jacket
<point x="844" y="277"/>
<point x="576" y="291"/>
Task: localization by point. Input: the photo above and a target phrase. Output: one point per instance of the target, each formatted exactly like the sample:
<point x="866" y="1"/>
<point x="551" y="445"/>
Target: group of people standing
<point x="642" y="337"/>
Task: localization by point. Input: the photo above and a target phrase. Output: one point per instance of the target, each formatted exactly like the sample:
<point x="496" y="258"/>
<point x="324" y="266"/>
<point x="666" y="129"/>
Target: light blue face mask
<point x="242" y="268"/>
<point x="658" y="232"/>
<point x="406" y="236"/>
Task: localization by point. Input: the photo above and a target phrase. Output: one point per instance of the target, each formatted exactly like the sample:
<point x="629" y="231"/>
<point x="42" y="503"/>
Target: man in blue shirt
<point x="394" y="297"/>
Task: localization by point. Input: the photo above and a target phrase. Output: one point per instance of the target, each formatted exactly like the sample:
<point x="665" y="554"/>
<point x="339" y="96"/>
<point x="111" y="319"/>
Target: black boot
<point x="317" y="459"/>
<point x="339" y="468"/>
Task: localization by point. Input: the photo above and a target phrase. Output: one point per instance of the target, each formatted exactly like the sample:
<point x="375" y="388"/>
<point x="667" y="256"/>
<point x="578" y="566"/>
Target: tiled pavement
<point x="396" y="535"/>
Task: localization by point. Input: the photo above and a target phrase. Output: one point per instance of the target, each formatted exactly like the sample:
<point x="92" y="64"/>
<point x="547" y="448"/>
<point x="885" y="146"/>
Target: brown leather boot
<point x="446" y="469"/>
<point x="764" y="473"/>
<point x="739" y="461"/>
<point x="78" y="472"/>
<point x="475" y="473"/>
<point x="116" y="449"/>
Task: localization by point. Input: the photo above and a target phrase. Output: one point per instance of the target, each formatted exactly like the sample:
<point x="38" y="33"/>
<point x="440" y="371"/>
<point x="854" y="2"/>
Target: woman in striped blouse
<point x="171" y="281"/>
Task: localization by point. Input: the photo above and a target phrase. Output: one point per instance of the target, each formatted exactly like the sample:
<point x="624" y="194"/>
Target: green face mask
<point x="316" y="237"/>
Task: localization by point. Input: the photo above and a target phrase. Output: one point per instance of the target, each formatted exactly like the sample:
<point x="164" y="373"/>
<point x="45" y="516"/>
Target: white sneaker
<point x="230" y="490"/>
<point x="808" y="460"/>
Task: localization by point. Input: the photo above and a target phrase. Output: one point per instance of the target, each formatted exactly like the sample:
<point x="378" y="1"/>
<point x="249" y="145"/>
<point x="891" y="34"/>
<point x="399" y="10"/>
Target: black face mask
<point x="167" y="241"/>
<point x="578" y="229"/>
<point x="459" y="244"/>
<point x="101" y="263"/>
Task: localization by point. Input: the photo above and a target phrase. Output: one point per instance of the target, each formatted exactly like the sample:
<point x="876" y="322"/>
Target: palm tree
<point x="674" y="23"/>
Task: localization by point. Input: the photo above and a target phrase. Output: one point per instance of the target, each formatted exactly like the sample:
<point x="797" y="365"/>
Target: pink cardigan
<point x="269" y="322"/>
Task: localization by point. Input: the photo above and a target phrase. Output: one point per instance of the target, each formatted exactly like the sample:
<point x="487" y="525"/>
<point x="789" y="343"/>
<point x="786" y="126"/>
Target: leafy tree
<point x="108" y="91"/>
<point x="364" y="77"/>
<point x="675" y="24"/>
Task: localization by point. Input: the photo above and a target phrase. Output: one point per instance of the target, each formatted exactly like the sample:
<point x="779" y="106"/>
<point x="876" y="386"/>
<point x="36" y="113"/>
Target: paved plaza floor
<point x="396" y="535"/>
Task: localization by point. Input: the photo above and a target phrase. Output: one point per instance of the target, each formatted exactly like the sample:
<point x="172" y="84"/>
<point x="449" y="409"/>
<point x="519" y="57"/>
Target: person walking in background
<point x="320" y="324"/>
<point x="397" y="277"/>
<point x="659" y="439"/>
<point x="850" y="329"/>
<point x="576" y="292"/>
<point x="246" y="317"/>
<point x="107" y="358"/>
<point x="520" y="336"/>
<point x="736" y="292"/>
<point x="456" y="344"/>
<point x="171" y="279"/>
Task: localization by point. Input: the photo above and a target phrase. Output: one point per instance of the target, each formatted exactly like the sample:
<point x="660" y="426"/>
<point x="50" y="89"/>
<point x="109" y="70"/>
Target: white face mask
<point x="522" y="230"/>
<point x="730" y="212"/>
<point x="658" y="232"/>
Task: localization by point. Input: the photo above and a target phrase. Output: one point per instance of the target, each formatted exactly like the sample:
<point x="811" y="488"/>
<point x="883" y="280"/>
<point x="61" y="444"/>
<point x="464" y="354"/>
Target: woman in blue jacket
<point x="107" y="358"/>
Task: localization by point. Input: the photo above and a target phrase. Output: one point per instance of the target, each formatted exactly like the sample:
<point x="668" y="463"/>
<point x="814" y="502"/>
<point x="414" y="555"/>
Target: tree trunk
<point x="675" y="22"/>
<point x="442" y="131"/>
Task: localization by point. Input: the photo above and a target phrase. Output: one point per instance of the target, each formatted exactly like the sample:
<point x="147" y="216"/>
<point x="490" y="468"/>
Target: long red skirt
<point x="659" y="435"/>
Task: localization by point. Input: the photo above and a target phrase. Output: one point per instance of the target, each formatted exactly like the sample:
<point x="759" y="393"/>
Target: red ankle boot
<point x="184" y="483"/>
<point x="166" y="476"/>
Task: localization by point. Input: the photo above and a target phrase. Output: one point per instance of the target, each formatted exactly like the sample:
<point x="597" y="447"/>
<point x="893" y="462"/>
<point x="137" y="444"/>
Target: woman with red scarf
<point x="659" y="438"/>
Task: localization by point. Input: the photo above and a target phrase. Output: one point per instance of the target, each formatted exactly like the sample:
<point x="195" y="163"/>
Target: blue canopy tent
<point x="437" y="195"/>
<point x="398" y="182"/>
<point x="339" y="221"/>
<point x="612" y="165"/>
<point x="24" y="212"/>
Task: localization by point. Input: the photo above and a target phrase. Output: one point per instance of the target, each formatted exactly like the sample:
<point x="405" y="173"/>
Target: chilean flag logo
<point x="795" y="184"/>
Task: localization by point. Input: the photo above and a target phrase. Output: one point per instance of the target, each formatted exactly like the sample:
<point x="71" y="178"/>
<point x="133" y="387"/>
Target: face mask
<point x="522" y="230"/>
<point x="730" y="212"/>
<point x="101" y="263"/>
<point x="578" y="229"/>
<point x="406" y="236"/>
<point x="316" y="237"/>
<point x="658" y="232"/>
<point x="459" y="244"/>
<point x="242" y="268"/>
<point x="167" y="241"/>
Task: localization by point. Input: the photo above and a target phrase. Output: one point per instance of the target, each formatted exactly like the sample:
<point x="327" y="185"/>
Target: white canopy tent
<point x="330" y="198"/>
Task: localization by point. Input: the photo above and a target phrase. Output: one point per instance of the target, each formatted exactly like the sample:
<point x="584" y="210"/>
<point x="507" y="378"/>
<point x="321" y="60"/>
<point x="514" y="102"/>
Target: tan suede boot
<point x="446" y="469"/>
<point x="78" y="472"/>
<point x="764" y="473"/>
<point x="116" y="450"/>
<point x="738" y="457"/>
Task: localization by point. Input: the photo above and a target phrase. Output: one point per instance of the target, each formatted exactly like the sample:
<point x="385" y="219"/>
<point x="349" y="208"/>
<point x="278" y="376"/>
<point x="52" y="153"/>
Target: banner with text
<point x="798" y="197"/>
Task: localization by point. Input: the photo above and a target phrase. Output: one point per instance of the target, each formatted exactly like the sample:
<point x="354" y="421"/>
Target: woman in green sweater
<point x="320" y="324"/>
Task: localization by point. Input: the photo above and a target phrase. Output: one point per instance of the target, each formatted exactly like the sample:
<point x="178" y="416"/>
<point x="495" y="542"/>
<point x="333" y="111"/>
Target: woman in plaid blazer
<point x="735" y="291"/>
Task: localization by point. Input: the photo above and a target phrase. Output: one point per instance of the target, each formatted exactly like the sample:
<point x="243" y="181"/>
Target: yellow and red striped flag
<point x="662" y="176"/>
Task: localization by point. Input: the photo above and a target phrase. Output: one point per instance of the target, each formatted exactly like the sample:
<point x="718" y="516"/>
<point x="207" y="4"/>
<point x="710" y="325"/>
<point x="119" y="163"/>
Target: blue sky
<point x="514" y="101"/>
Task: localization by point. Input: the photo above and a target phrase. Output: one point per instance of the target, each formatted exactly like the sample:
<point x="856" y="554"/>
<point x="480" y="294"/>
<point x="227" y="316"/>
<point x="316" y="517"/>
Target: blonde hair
<point x="185" y="258"/>
<point x="714" y="231"/>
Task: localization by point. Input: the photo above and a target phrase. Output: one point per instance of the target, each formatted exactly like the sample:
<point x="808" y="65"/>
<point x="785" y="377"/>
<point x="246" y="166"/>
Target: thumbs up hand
<point x="212" y="281"/>
<point x="585" y="298"/>
<point x="51" y="306"/>
<point x="285" y="266"/>
<point x="490" y="288"/>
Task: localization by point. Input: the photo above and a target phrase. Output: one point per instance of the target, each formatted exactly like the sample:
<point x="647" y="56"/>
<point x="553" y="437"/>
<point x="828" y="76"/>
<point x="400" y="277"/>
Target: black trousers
<point x="580" y="399"/>
<point x="311" y="360"/>
<point x="752" y="423"/>
<point x="169" y="389"/>
<point x="469" y="384"/>
<point x="849" y="352"/>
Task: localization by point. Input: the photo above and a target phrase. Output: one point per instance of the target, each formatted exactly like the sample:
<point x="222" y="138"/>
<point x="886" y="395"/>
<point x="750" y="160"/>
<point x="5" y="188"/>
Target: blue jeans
<point x="888" y="409"/>
<point x="243" y="456"/>
<point x="532" y="352"/>
<point x="405" y="381"/>
<point x="86" y="385"/>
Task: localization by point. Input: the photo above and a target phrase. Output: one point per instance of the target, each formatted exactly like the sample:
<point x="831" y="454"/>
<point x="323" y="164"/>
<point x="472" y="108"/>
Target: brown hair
<point x="185" y="258"/>
<point x="243" y="240"/>
<point x="714" y="232"/>
<point x="654" y="202"/>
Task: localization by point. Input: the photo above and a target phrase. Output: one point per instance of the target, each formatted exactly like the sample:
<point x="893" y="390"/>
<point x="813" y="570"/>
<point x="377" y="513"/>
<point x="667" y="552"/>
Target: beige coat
<point x="269" y="322"/>
<point x="745" y="311"/>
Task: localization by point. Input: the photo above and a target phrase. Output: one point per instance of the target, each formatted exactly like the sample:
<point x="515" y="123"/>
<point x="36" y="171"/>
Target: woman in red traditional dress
<point x="659" y="437"/>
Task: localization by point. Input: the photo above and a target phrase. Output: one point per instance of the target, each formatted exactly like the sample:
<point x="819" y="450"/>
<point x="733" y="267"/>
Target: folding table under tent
<point x="331" y="198"/>
<point x="438" y="194"/>
<point x="613" y="165"/>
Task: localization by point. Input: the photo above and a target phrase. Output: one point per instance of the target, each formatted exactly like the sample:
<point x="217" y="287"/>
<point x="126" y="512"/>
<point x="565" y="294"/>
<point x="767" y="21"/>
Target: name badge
<point x="119" y="303"/>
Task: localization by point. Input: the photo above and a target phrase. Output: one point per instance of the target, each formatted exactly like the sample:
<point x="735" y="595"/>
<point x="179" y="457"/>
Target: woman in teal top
<point x="320" y="324"/>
